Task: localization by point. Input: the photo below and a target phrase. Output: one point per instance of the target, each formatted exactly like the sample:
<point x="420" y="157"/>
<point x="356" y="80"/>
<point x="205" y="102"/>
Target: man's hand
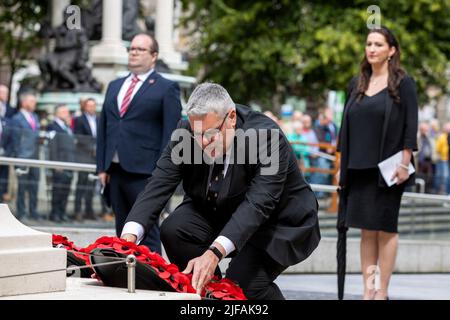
<point x="103" y="177"/>
<point x="129" y="237"/>
<point x="203" y="268"/>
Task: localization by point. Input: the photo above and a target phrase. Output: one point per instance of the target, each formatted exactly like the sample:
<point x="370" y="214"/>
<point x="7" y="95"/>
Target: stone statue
<point x="129" y="18"/>
<point x="92" y="19"/>
<point x="66" y="67"/>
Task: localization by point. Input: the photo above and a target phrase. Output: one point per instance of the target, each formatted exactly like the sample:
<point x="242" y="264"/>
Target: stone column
<point x="110" y="56"/>
<point x="164" y="34"/>
<point x="58" y="7"/>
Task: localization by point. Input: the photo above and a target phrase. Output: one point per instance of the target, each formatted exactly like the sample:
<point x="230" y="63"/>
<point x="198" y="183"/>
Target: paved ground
<point x="403" y="287"/>
<point x="310" y="286"/>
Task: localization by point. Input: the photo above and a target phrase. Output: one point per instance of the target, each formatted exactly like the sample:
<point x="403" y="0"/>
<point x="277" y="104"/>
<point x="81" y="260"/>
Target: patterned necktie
<point x="215" y="184"/>
<point x="127" y="99"/>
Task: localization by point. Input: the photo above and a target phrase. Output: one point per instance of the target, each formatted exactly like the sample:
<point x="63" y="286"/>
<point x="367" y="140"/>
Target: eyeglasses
<point x="210" y="133"/>
<point x="139" y="49"/>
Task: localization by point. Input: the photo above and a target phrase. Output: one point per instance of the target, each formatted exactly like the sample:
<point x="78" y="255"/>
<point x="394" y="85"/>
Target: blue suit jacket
<point x="25" y="139"/>
<point x="61" y="146"/>
<point x="142" y="133"/>
<point x="10" y="111"/>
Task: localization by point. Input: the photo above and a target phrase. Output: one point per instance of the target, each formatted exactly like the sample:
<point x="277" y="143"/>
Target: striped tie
<point x="127" y="99"/>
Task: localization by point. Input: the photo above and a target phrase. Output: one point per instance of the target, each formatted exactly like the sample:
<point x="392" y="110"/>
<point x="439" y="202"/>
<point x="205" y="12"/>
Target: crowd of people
<point x="310" y="137"/>
<point x="68" y="137"/>
<point x="313" y="140"/>
<point x="314" y="143"/>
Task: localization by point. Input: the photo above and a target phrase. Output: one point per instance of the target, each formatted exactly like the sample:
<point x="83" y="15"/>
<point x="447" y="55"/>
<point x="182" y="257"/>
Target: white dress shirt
<point x="123" y="90"/>
<point x="92" y="120"/>
<point x="63" y="125"/>
<point x="28" y="116"/>
<point x="139" y="231"/>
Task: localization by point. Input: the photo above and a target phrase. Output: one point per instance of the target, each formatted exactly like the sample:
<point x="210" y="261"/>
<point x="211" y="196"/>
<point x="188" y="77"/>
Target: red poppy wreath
<point x="152" y="271"/>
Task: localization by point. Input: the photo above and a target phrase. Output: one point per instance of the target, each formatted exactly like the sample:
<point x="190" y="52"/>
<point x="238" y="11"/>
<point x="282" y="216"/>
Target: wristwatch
<point x="216" y="252"/>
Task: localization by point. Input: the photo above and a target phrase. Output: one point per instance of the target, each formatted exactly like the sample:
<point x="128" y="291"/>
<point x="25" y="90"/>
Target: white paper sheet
<point x="388" y="167"/>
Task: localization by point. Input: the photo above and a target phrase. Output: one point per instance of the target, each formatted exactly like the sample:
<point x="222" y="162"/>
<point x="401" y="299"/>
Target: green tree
<point x="19" y="24"/>
<point x="262" y="51"/>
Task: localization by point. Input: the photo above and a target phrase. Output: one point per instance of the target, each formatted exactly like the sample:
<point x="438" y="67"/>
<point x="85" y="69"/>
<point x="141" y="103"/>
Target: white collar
<point x="61" y="123"/>
<point x="142" y="76"/>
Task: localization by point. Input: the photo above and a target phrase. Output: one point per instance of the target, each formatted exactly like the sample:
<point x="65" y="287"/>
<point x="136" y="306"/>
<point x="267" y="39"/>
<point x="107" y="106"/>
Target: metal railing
<point x="409" y="195"/>
<point x="48" y="164"/>
<point x="92" y="168"/>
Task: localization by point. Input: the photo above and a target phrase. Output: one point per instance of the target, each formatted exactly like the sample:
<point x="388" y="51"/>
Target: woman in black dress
<point x="380" y="119"/>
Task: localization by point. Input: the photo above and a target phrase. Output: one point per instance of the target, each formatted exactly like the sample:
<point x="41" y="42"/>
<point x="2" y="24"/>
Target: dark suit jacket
<point x="10" y="111"/>
<point x="25" y="140"/>
<point x="399" y="128"/>
<point x="61" y="145"/>
<point x="277" y="213"/>
<point x="7" y="137"/>
<point x="86" y="142"/>
<point x="141" y="135"/>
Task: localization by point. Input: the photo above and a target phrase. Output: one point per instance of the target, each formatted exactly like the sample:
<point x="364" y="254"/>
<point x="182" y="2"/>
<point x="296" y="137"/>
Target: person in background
<point x="139" y="113"/>
<point x="61" y="148"/>
<point x="288" y="127"/>
<point x="435" y="130"/>
<point x="6" y="112"/>
<point x="85" y="129"/>
<point x="442" y="171"/>
<point x="298" y="143"/>
<point x="311" y="138"/>
<point x="367" y="137"/>
<point x="326" y="132"/>
<point x="25" y="145"/>
<point x="424" y="156"/>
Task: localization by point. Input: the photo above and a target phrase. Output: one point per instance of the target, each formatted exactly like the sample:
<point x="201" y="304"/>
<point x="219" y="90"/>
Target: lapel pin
<point x="151" y="81"/>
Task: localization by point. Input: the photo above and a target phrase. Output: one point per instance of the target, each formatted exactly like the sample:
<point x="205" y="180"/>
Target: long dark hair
<point x="396" y="73"/>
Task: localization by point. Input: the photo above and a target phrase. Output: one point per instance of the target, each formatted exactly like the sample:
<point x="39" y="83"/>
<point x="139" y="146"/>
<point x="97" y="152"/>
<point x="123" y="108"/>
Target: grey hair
<point x="209" y="97"/>
<point x="24" y="95"/>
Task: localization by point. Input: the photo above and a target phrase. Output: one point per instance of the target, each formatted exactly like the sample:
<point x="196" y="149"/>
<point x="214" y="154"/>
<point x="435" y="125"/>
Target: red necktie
<point x="127" y="99"/>
<point x="32" y="122"/>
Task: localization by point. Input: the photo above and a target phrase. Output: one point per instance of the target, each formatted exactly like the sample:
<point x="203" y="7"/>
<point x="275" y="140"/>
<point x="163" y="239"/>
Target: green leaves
<point x="259" y="49"/>
<point x="19" y="24"/>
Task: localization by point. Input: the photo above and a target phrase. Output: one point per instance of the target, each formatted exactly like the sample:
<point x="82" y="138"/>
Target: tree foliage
<point x="19" y="25"/>
<point x="264" y="50"/>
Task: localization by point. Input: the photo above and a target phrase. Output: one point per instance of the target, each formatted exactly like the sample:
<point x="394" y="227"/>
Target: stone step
<point x="89" y="289"/>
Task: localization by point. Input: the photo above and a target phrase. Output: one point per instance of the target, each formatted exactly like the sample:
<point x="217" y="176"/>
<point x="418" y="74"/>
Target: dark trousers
<point x="124" y="189"/>
<point x="28" y="185"/>
<point x="85" y="190"/>
<point x="4" y="175"/>
<point x="60" y="192"/>
<point x="187" y="234"/>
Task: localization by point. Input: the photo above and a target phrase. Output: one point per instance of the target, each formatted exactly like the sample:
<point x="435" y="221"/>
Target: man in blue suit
<point x="138" y="116"/>
<point x="6" y="112"/>
<point x="85" y="129"/>
<point x="61" y="147"/>
<point x="25" y="134"/>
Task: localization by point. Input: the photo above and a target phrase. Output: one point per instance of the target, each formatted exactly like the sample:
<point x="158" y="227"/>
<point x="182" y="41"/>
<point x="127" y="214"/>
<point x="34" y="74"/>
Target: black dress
<point x="369" y="206"/>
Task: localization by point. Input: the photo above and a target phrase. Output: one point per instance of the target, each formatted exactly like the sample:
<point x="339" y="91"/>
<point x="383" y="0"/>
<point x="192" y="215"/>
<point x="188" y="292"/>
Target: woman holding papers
<point x="380" y="120"/>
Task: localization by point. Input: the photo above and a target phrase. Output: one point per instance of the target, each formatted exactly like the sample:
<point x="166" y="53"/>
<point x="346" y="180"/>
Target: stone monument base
<point x="28" y="261"/>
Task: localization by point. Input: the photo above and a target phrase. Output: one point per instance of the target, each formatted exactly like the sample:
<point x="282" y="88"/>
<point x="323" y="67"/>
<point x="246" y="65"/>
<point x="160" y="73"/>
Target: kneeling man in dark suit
<point x="245" y="197"/>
